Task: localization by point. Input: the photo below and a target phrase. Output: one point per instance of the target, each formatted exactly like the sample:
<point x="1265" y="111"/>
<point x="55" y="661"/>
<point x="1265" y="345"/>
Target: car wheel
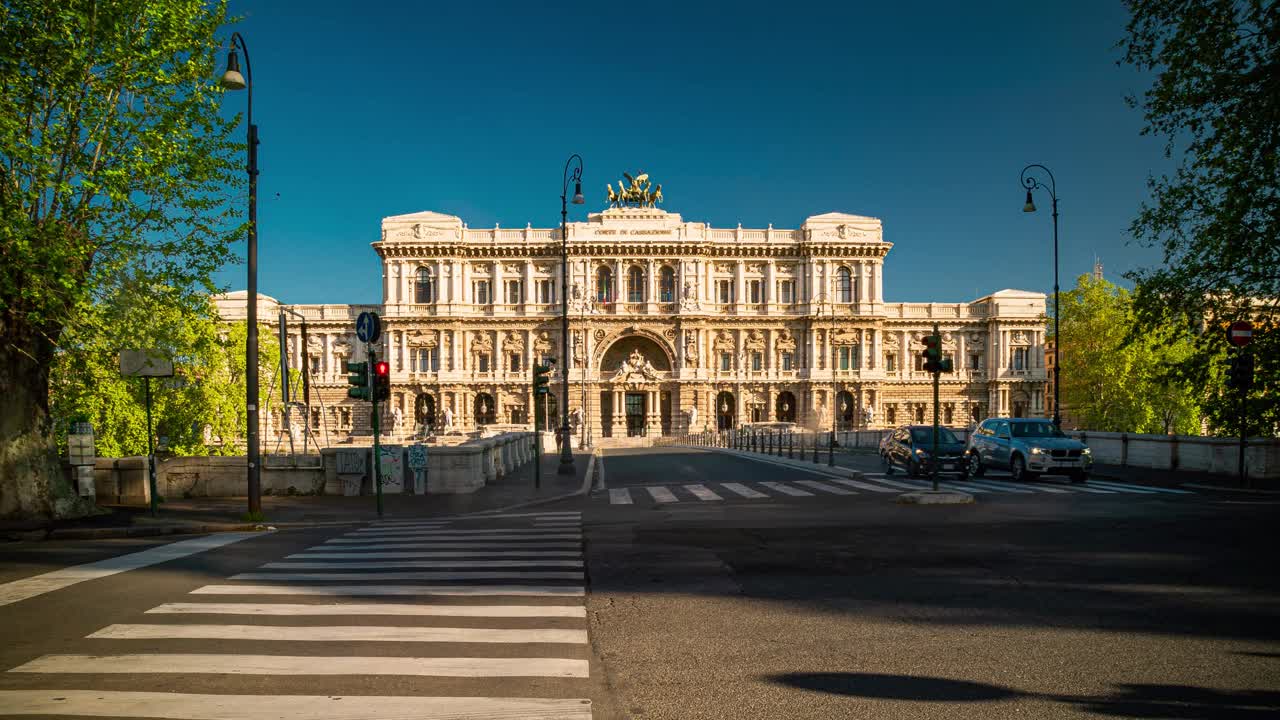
<point x="974" y="467"/>
<point x="1079" y="477"/>
<point x="886" y="463"/>
<point x="1018" y="469"/>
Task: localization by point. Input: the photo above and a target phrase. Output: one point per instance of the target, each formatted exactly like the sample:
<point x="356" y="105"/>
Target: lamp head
<point x="232" y="79"/>
<point x="1031" y="205"/>
<point x="577" y="194"/>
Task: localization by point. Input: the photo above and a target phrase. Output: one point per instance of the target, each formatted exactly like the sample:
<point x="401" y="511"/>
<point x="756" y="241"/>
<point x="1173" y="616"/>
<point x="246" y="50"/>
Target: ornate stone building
<point x="673" y="324"/>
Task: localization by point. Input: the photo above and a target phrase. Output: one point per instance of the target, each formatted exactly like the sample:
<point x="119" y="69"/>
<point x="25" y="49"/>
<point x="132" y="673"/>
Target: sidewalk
<point x="204" y="515"/>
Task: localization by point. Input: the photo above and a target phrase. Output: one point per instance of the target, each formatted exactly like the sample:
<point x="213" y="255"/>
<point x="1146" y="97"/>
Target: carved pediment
<point x="785" y="342"/>
<point x="418" y="338"/>
<point x="481" y="344"/>
<point x="846" y="337"/>
<point x="755" y="340"/>
<point x="514" y="343"/>
<point x="542" y="345"/>
<point x="724" y="341"/>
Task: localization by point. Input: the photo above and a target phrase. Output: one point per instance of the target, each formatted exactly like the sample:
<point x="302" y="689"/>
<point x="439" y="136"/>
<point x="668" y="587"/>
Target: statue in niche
<point x="448" y="419"/>
<point x="689" y="296"/>
<point x="692" y="414"/>
<point x="635" y="364"/>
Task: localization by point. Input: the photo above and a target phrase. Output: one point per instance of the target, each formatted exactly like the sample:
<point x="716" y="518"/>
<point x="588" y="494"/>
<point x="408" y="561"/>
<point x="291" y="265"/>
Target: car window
<point x="1042" y="429"/>
<point x="924" y="436"/>
<point x="1002" y="428"/>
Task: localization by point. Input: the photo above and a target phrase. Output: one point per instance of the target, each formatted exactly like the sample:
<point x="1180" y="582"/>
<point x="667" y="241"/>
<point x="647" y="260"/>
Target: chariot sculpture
<point x="635" y="192"/>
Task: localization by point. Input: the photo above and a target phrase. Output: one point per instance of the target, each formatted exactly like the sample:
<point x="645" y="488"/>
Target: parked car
<point x="911" y="448"/>
<point x="1027" y="448"/>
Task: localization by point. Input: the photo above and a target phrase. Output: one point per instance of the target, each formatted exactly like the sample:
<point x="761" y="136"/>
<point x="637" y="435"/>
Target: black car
<point x="911" y="447"/>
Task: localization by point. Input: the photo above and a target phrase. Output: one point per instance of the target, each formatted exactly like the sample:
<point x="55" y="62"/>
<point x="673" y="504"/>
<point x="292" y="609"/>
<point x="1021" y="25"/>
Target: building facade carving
<point x="671" y="321"/>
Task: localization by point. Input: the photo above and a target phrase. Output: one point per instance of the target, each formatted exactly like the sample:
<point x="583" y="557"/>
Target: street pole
<point x="831" y="444"/>
<point x="934" y="457"/>
<point x="151" y="458"/>
<point x="1031" y="183"/>
<point x="233" y="80"/>
<point x="1244" y="419"/>
<point x="566" y="452"/>
<point x="377" y="445"/>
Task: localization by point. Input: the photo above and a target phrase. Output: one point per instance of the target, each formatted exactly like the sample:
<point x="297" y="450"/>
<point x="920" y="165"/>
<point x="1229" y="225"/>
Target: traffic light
<point x="542" y="377"/>
<point x="382" y="380"/>
<point x="933" y="353"/>
<point x="358" y="379"/>
<point x="1240" y="371"/>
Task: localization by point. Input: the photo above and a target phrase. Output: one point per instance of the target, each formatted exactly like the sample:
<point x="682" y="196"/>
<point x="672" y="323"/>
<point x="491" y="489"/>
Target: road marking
<point x="817" y="485"/>
<point x="1001" y="487"/>
<point x="786" y="489"/>
<point x="661" y="494"/>
<point x="962" y="487"/>
<point x="344" y="633"/>
<point x="445" y="554"/>
<point x="863" y="486"/>
<point x="392" y="564"/>
<point x="410" y="524"/>
<point x="460" y="533"/>
<point x="1139" y="488"/>
<point x="742" y="490"/>
<point x="619" y="496"/>
<point x="378" y="590"/>
<point x="702" y="492"/>
<point x="361" y="609"/>
<point x="567" y="513"/>
<point x="379" y="576"/>
<point x="470" y="545"/>
<point x="18" y="590"/>
<point x="901" y="485"/>
<point x="455" y="538"/>
<point x="228" y="664"/>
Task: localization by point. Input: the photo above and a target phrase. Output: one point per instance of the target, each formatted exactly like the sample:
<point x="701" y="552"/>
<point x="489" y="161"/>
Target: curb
<point x="1225" y="488"/>
<point x="145" y="531"/>
<point x="586" y="487"/>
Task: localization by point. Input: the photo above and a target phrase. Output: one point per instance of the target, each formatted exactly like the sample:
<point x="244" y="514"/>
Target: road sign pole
<point x="537" y="441"/>
<point x="377" y="446"/>
<point x="151" y="458"/>
<point x="1244" y="416"/>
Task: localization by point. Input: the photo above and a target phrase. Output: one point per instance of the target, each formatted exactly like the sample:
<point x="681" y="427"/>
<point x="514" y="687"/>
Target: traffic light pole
<point x="1243" y="389"/>
<point x="377" y="446"/>
<point x="934" y="456"/>
<point x="537" y="440"/>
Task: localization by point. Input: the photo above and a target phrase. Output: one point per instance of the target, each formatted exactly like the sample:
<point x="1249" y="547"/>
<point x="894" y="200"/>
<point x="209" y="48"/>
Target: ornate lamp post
<point x="233" y="80"/>
<point x="566" y="452"/>
<point x="1031" y="183"/>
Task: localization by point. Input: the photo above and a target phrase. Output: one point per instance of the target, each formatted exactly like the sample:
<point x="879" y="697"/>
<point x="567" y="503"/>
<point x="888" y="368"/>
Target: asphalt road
<point x="745" y="590"/>
<point x="1027" y="604"/>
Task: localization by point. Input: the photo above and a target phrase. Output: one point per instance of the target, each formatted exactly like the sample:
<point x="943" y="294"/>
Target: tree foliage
<point x="115" y="164"/>
<point x="1216" y="101"/>
<point x="1114" y="383"/>
<point x="205" y="394"/>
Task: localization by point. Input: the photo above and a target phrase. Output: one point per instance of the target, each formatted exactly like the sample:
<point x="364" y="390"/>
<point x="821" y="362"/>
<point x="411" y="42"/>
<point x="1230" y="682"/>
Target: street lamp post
<point x="566" y="452"/>
<point x="1031" y="183"/>
<point x="233" y="80"/>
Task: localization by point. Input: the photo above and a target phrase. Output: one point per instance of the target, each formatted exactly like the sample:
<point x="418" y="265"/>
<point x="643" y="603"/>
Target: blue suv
<point x="1027" y="448"/>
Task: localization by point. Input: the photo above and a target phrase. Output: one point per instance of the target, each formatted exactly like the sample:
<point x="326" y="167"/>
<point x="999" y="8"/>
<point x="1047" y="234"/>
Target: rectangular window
<point x="975" y="362"/>
<point x="844" y="357"/>
<point x="786" y="292"/>
<point x="1020" y="359"/>
<point x="725" y="291"/>
<point x="515" y="362"/>
<point x="726" y="362"/>
<point x="891" y="362"/>
<point x="344" y="418"/>
<point x="514" y="294"/>
<point x="315" y="418"/>
<point x="482" y="363"/>
<point x="315" y="365"/>
<point x="755" y="292"/>
<point x="757" y="362"/>
<point x="919" y="362"/>
<point x="480" y="291"/>
<point x="546" y="292"/>
<point x="666" y="285"/>
<point x="786" y="361"/>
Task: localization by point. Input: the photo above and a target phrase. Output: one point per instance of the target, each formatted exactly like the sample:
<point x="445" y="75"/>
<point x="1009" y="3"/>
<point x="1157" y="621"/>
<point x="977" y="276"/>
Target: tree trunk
<point x="32" y="482"/>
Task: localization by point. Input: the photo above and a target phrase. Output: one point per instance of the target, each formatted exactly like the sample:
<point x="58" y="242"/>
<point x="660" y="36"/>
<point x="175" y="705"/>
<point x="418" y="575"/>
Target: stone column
<point x="739" y="285"/>
<point x="768" y="296"/>
<point x="496" y="288"/>
<point x="527" y="295"/>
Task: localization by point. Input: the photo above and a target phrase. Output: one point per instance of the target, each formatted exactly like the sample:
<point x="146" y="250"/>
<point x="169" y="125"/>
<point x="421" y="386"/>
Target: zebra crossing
<point x="464" y="617"/>
<point x="870" y="484"/>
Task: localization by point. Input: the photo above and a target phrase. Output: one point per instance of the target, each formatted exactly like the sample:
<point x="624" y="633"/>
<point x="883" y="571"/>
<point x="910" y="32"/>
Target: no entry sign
<point x="1240" y="332"/>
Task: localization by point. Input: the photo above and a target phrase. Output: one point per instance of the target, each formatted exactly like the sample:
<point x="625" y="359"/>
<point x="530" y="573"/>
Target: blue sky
<point x="921" y="114"/>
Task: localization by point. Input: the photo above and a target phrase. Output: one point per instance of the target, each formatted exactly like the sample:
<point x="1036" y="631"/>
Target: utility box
<point x="81" y="455"/>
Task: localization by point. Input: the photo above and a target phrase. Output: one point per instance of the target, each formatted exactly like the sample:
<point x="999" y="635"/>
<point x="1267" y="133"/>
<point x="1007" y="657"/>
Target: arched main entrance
<point x="424" y="412"/>
<point x="845" y="407"/>
<point x="726" y="408"/>
<point x="485" y="409"/>
<point x="785" y="408"/>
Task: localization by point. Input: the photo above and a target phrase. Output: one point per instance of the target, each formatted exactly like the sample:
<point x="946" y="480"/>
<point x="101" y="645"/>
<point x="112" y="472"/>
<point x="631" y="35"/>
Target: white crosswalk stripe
<point x="863" y="485"/>
<point x="1122" y="487"/>
<point x="519" y="648"/>
<point x="702" y="493"/>
<point x="786" y="489"/>
<point x="742" y="490"/>
<point x="619" y="496"/>
<point x="661" y="494"/>
<point x="824" y="487"/>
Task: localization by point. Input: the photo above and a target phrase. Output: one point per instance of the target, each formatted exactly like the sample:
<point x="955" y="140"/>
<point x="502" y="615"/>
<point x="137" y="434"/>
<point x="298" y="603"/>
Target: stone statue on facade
<point x="635" y="364"/>
<point x="448" y="419"/>
<point x="634" y="192"/>
<point x="689" y="296"/>
<point x="692" y="414"/>
<point x="868" y="414"/>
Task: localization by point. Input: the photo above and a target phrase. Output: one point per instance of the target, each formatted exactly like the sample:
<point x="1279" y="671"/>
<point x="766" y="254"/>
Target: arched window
<point x="667" y="284"/>
<point x="844" y="284"/>
<point x="604" y="285"/>
<point x="425" y="288"/>
<point x="635" y="285"/>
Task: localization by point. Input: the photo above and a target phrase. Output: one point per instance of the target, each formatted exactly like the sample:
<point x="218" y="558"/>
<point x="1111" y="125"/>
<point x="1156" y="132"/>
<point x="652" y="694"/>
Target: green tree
<point x="115" y="163"/>
<point x="207" y="389"/>
<point x="1216" y="101"/>
<point x="1117" y="383"/>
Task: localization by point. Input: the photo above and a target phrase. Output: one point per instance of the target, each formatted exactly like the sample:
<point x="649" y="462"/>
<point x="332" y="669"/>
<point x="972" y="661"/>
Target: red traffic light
<point x="381" y="368"/>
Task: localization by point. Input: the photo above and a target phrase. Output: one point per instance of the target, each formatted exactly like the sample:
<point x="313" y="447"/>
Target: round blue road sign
<point x="368" y="327"/>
